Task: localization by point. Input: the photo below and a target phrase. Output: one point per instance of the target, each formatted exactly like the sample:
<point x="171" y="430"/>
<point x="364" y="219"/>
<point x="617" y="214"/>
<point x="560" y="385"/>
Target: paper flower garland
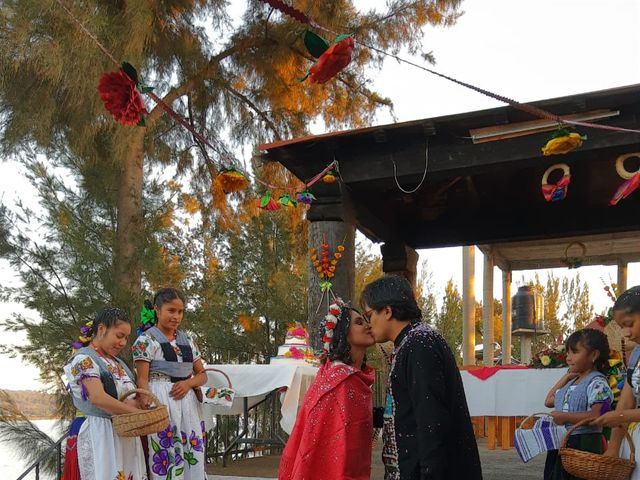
<point x="632" y="179"/>
<point x="305" y="197"/>
<point x="562" y="141"/>
<point x="121" y="94"/>
<point x="232" y="180"/>
<point x="325" y="265"/>
<point x="556" y="191"/>
<point x="268" y="203"/>
<point x="329" y="177"/>
<point x="287" y="201"/>
<point x="332" y="59"/>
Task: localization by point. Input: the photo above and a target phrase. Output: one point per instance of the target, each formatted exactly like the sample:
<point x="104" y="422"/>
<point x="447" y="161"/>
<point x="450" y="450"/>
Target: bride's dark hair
<point x="339" y="349"/>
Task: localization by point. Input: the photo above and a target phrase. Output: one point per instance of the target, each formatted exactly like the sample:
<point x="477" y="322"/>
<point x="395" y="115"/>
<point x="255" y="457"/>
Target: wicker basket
<point x="141" y="424"/>
<point x="592" y="466"/>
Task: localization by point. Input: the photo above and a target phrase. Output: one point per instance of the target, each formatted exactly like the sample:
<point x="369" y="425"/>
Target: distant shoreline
<point x="37" y="418"/>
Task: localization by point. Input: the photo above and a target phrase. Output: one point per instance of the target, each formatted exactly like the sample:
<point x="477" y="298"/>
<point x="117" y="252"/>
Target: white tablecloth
<point x="255" y="382"/>
<point x="510" y="393"/>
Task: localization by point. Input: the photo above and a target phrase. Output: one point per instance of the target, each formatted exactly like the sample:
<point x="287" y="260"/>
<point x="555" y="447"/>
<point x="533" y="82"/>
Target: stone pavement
<point x="496" y="465"/>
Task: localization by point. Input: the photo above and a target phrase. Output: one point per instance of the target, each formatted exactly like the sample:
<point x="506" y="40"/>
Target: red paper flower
<point x="331" y="325"/>
<point x="121" y="97"/>
<point x="326" y="339"/>
<point x="335" y="312"/>
<point x="332" y="61"/>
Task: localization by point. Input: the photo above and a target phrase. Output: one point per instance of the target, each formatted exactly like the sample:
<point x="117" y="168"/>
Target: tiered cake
<point x="296" y="348"/>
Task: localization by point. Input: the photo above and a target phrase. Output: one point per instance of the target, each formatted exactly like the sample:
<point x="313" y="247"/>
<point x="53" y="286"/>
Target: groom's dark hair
<point x="394" y="291"/>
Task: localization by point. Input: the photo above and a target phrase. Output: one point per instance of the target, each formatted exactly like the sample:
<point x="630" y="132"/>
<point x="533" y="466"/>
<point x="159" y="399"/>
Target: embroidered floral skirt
<point x="97" y="453"/>
<point x="178" y="453"/>
<point x="625" y="452"/>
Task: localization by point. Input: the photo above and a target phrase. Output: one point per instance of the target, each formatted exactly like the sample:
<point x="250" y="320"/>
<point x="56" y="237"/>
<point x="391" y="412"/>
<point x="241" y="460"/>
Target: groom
<point x="427" y="429"/>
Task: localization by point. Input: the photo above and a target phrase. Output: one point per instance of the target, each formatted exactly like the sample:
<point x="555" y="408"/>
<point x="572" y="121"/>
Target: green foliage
<point x="115" y="220"/>
<point x="449" y="320"/>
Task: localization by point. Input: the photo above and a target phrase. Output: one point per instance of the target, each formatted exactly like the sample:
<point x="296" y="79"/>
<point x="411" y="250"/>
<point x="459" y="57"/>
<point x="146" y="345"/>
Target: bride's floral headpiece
<point x="331" y="321"/>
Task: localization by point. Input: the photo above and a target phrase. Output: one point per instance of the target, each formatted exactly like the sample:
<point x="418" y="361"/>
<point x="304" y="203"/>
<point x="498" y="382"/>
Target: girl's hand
<point x="609" y="419"/>
<point x="559" y="418"/>
<point x="143" y="401"/>
<point x="180" y="390"/>
<point x="610" y="453"/>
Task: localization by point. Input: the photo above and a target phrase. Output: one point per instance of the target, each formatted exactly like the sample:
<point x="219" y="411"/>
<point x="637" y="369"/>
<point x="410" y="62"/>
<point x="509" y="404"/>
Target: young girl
<point x="97" y="378"/>
<point x="168" y="364"/>
<point x="332" y="435"/>
<point x="582" y="393"/>
<point x="627" y="315"/>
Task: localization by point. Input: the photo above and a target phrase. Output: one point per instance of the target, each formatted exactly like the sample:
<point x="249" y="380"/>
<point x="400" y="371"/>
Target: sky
<point x="526" y="50"/>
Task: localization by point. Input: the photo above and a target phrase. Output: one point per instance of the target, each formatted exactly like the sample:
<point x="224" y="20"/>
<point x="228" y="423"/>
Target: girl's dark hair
<point x="394" y="291"/>
<point x="339" y="349"/>
<point x="167" y="295"/>
<point x="628" y="301"/>
<point x="592" y="340"/>
<point x="109" y="317"/>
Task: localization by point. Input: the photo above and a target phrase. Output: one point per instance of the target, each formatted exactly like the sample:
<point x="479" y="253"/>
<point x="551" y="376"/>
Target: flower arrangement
<point x="231" y="180"/>
<point x="324" y="264"/>
<point x="268" y="203"/>
<point x="332" y="59"/>
<point x="295" y="353"/>
<point x="562" y="141"/>
<point x="121" y="94"/>
<point x="554" y="357"/>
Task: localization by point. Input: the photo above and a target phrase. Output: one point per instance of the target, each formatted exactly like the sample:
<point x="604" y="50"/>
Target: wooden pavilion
<point x="482" y="186"/>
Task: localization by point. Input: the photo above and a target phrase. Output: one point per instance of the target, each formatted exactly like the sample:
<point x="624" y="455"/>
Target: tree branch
<point x="246" y="100"/>
<point x="211" y="67"/>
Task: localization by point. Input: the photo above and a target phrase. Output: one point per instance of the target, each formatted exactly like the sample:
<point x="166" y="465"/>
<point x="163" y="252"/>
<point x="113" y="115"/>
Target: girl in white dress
<point x="627" y="415"/>
<point x="97" y="378"/>
<point x="168" y="364"/>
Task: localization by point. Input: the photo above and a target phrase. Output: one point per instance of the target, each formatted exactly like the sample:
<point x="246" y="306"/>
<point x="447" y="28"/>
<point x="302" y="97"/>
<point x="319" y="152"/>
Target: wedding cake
<point x="296" y="348"/>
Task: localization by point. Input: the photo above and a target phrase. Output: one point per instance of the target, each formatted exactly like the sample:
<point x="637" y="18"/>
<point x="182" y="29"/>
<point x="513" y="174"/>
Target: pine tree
<point x="449" y="320"/>
<point x="575" y="298"/>
<point x="234" y="81"/>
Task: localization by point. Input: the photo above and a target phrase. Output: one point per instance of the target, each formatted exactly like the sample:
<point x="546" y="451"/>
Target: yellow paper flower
<point x="563" y="144"/>
<point x="545" y="360"/>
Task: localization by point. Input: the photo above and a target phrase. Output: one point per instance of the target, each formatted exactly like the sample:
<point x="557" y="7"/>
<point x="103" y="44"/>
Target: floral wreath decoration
<point x="331" y="322"/>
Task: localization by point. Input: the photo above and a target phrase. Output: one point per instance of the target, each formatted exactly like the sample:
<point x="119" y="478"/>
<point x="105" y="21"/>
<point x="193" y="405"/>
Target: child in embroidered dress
<point x="97" y="378"/>
<point x="168" y="364"/>
<point x="580" y="394"/>
<point x="627" y="414"/>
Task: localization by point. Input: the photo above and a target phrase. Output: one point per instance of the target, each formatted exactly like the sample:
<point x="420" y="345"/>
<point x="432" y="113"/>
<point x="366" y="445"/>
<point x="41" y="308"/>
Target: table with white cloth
<point x="508" y="394"/>
<point x="254" y="385"/>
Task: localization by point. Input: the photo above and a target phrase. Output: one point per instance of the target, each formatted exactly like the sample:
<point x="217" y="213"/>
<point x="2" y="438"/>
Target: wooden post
<point x="468" y="306"/>
<point x="506" y="317"/>
<point x="398" y="259"/>
<point x="335" y="233"/>
<point x="622" y="276"/>
<point x="331" y="220"/>
<point x="487" y="311"/>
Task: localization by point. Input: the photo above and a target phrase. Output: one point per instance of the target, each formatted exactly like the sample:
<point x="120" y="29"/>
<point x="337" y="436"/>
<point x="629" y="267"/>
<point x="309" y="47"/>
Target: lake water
<point x="11" y="465"/>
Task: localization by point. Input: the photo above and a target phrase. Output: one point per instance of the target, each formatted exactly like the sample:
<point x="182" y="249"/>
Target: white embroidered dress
<point x="102" y="454"/>
<point x="634" y="428"/>
<point x="178" y="453"/>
